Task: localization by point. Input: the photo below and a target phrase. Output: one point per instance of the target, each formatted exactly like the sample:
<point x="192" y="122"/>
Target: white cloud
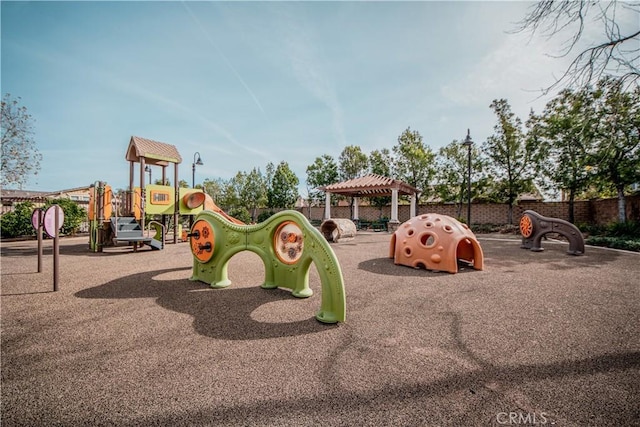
<point x="515" y="70"/>
<point x="307" y="67"/>
<point x="223" y="56"/>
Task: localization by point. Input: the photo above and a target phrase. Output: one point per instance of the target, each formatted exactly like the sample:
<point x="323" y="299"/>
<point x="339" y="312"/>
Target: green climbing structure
<point x="287" y="244"/>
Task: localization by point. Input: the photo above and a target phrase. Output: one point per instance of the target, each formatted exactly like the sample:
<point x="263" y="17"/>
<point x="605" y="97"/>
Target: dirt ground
<point x="534" y="338"/>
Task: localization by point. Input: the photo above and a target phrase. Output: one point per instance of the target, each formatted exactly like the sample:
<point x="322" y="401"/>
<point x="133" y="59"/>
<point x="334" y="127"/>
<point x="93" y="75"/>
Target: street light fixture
<point x="193" y="168"/>
<point x="148" y="169"/>
<point x="196" y="161"/>
<point x="468" y="142"/>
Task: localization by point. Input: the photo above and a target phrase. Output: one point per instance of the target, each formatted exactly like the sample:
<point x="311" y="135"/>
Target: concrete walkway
<point x="535" y="338"/>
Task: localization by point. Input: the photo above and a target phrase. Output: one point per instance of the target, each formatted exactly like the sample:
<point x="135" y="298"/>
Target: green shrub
<point x="265" y="215"/>
<point x="74" y="215"/>
<point x="241" y="213"/>
<point x="18" y="222"/>
<point x="629" y="244"/>
<point x="591" y="229"/>
<point x="624" y="229"/>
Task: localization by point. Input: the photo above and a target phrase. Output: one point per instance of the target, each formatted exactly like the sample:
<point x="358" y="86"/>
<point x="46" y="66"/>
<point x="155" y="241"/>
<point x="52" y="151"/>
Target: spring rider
<point x="287" y="244"/>
<point x="435" y="242"/>
<point x="534" y="226"/>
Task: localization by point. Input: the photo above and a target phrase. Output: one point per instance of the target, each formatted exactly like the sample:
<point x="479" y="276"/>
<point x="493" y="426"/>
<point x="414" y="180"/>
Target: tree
<point x="240" y="213"/>
<point x="615" y="56"/>
<point x="352" y="163"/>
<point x="617" y="151"/>
<point x="452" y="174"/>
<point x="283" y="191"/>
<point x="215" y="189"/>
<point x="564" y="134"/>
<point x="511" y="159"/>
<point x="20" y="157"/>
<point x="253" y="191"/>
<point x="322" y="172"/>
<point x="381" y="163"/>
<point x="414" y="161"/>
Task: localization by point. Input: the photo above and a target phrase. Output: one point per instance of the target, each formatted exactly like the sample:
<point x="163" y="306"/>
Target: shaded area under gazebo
<point x="372" y="185"/>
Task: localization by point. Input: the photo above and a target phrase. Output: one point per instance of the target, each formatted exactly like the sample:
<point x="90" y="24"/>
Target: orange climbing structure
<point x="435" y="242"/>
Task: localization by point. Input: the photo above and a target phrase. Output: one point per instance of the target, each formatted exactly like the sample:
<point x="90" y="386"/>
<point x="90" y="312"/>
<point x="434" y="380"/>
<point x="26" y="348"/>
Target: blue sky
<point x="247" y="83"/>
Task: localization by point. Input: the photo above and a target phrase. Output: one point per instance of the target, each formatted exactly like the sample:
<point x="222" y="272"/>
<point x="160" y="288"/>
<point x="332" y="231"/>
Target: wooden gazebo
<point x="371" y="185"/>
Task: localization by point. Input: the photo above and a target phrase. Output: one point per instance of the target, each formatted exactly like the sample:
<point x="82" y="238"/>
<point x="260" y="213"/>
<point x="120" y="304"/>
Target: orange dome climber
<point x="435" y="242"/>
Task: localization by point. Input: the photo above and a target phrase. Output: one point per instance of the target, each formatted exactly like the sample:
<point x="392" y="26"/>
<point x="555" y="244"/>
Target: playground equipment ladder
<point x="127" y="229"/>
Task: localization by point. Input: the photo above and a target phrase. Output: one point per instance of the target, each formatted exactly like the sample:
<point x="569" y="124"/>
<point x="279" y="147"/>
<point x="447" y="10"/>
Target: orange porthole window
<point x="202" y="240"/>
<point x="288" y="242"/>
<point x="526" y="226"/>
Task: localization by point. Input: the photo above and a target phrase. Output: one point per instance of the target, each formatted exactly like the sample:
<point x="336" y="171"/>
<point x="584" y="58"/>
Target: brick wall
<point x="606" y="210"/>
<point x="603" y="211"/>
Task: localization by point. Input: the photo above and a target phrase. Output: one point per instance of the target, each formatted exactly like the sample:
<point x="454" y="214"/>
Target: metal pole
<point x="197" y="161"/>
<point x="193" y="185"/>
<point x="468" y="142"/>
<point x="56" y="249"/>
<point x="469" y="186"/>
<point x="176" y="208"/>
<point x="39" y="231"/>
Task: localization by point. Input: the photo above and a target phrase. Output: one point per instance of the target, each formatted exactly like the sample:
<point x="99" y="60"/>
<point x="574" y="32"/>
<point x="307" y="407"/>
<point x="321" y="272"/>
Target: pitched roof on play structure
<point x="370" y="185"/>
<point x="154" y="152"/>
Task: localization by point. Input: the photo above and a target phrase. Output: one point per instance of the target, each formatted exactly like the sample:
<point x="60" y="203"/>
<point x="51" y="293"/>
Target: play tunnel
<point x="287" y="244"/>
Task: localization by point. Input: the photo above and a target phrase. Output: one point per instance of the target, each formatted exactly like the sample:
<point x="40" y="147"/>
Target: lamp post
<point x="198" y="162"/>
<point x="148" y="169"/>
<point x="193" y="168"/>
<point x="468" y="142"/>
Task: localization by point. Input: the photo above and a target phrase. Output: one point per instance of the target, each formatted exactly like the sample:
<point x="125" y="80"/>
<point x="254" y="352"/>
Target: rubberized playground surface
<point x="128" y="340"/>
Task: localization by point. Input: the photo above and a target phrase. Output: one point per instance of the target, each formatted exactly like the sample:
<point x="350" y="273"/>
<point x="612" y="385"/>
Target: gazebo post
<point x="393" y="222"/>
<point x="356" y="215"/>
<point x="372" y="185"/>
<point x="327" y="205"/>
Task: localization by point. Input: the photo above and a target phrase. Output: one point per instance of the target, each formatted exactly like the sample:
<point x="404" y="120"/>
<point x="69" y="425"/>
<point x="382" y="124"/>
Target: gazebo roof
<point x="371" y="185"/>
<point x="154" y="152"/>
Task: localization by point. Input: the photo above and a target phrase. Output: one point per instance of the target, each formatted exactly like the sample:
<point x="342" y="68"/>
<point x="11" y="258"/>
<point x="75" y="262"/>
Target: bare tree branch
<point x="618" y="56"/>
